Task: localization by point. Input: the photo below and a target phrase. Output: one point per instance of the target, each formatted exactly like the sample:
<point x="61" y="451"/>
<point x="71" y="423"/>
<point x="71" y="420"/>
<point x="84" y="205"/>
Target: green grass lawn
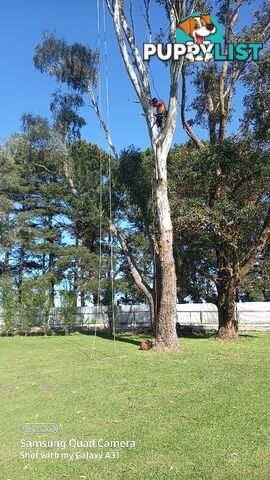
<point x="200" y="413"/>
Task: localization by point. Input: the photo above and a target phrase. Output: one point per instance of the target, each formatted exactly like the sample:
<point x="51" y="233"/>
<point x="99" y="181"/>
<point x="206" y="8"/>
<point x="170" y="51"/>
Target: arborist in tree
<point x="161" y="112"/>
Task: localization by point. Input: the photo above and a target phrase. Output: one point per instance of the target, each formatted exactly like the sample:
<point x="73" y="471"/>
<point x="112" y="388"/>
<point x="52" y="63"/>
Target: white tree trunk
<point x="166" y="336"/>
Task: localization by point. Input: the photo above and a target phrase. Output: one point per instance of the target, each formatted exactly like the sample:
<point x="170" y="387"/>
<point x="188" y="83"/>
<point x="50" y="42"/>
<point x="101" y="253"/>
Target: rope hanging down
<point x="99" y="307"/>
<point x="109" y="175"/>
<point x="100" y="192"/>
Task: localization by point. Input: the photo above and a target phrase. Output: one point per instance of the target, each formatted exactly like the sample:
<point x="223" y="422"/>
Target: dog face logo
<point x="199" y="32"/>
<point x="198" y="27"/>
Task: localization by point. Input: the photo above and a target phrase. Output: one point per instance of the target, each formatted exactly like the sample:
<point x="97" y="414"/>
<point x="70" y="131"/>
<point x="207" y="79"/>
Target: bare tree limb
<point x="131" y="17"/>
<point x="185" y="123"/>
<point x="42" y="166"/>
<point x="147" y="18"/>
<point x="68" y="175"/>
<point x="224" y="110"/>
<point x="137" y="57"/>
<point x="101" y="119"/>
<point x="117" y="16"/>
<point x="110" y="7"/>
<point x="141" y="284"/>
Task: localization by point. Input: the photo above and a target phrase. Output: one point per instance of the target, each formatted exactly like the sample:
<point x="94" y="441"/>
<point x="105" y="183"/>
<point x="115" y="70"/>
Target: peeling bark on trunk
<point x="166" y="317"/>
<point x="166" y="336"/>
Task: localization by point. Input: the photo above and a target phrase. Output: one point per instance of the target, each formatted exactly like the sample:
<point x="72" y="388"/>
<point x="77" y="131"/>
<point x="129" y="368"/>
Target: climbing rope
<point x="109" y="176"/>
<point x="99" y="306"/>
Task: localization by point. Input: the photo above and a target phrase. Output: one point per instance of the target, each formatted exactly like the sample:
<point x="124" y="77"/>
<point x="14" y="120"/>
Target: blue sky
<point x="23" y="89"/>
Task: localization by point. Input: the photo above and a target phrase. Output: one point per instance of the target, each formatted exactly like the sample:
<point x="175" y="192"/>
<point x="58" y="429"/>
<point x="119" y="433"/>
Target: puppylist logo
<point x="199" y="38"/>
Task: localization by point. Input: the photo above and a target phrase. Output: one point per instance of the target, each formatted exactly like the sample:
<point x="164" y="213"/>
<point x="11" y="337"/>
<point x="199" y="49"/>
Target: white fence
<point x="251" y="316"/>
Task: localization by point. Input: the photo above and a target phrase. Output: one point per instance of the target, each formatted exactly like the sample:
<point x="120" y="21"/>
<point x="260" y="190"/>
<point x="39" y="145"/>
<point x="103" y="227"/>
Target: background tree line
<point x="218" y="188"/>
<point x="50" y="238"/>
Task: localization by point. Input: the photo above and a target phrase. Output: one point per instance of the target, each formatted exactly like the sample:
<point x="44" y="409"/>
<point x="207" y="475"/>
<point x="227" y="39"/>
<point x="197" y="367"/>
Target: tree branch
<point x="224" y="110"/>
<point x="131" y="17"/>
<point x="137" y="57"/>
<point x="147" y="18"/>
<point x="141" y="284"/>
<point x="42" y="166"/>
<point x="110" y="8"/>
<point x="117" y="17"/>
<point x="255" y="251"/>
<point x="101" y="119"/>
<point x="185" y="123"/>
<point x="67" y="170"/>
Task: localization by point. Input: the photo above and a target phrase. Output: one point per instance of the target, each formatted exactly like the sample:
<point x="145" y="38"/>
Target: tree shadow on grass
<point x="213" y="335"/>
<point x="246" y="335"/>
<point x="135" y="338"/>
<point x="120" y="337"/>
<point x="199" y="333"/>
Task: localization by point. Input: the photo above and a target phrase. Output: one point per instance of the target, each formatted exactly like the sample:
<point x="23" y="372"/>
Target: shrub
<point x="68" y="310"/>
